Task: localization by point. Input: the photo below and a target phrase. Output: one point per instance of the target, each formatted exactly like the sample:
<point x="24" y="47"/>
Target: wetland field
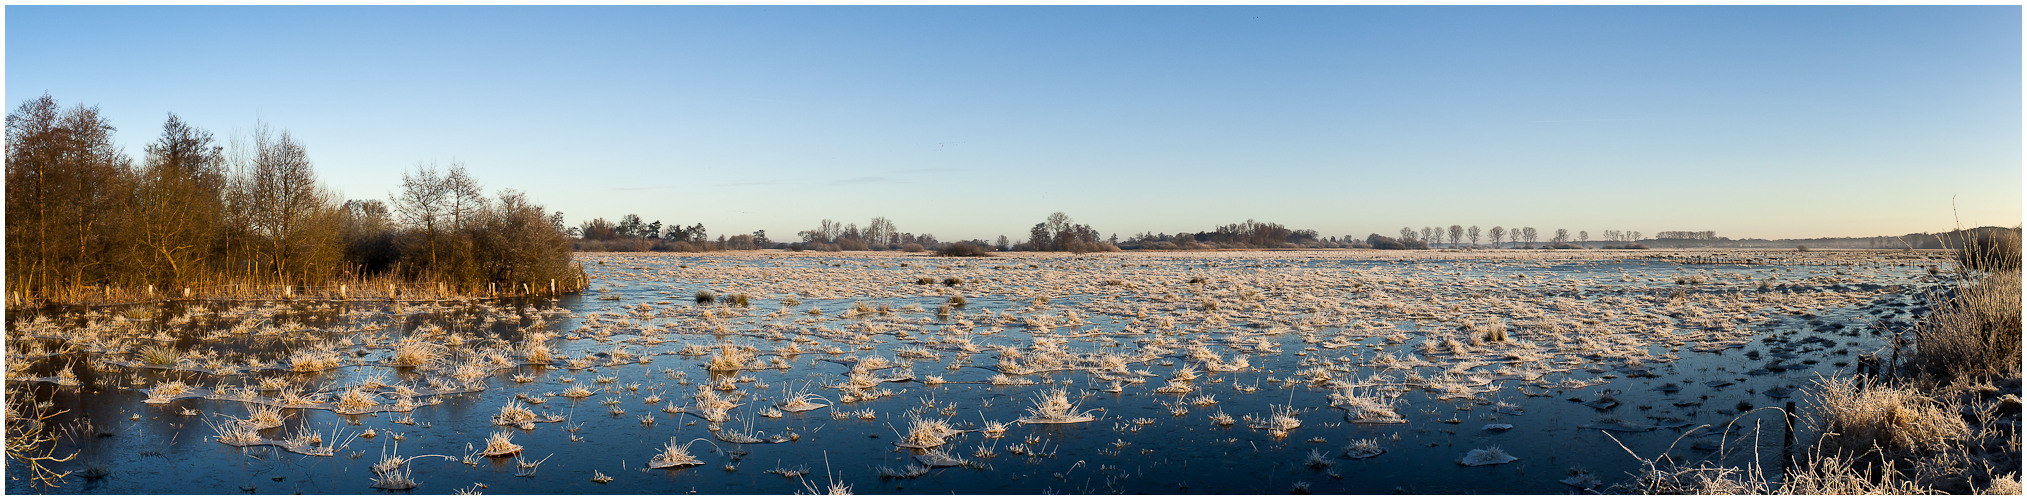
<point x="770" y="372"/>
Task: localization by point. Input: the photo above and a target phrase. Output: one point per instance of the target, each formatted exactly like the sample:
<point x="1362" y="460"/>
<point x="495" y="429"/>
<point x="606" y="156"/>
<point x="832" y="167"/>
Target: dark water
<point x="155" y="448"/>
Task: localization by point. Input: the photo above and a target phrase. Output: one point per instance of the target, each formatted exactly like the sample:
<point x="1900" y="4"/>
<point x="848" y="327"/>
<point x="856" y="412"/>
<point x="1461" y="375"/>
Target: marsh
<point x="1147" y="372"/>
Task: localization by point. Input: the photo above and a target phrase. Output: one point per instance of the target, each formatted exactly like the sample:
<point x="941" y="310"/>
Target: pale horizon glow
<point x="976" y="122"/>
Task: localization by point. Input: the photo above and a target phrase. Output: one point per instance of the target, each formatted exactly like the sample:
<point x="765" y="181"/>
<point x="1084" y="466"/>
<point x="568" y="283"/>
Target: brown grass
<point x="1974" y="334"/>
<point x="1860" y="415"/>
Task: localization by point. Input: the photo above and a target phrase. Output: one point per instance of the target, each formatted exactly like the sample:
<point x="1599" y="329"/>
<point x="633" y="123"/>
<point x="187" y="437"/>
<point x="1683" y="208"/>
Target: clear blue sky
<point x="972" y="122"/>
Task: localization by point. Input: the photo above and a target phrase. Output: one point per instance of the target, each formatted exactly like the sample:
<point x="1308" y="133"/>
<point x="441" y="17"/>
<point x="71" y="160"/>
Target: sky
<point x="974" y="122"/>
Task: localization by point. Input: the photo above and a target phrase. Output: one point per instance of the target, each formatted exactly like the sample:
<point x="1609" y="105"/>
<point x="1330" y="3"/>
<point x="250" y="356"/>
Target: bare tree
<point x="177" y="202"/>
<point x="288" y="210"/>
<point x="1561" y="236"/>
<point x="1582" y="237"/>
<point x="1474" y="235"/>
<point x="424" y="204"/>
<point x="1498" y="234"/>
<point x="464" y="196"/>
<point x="1059" y="225"/>
<point x="826" y="232"/>
<point x="64" y="179"/>
<point x="1456" y="234"/>
<point x="1407" y="234"/>
<point x="880" y="234"/>
<point x="1530" y="235"/>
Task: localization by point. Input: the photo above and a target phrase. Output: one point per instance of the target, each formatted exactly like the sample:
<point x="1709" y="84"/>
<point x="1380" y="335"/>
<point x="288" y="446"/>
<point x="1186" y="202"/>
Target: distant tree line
<point x="879" y="234"/>
<point x="194" y="212"/>
<point x="1956" y="239"/>
<point x="631" y="235"/>
<point x="1058" y="233"/>
<point x="1248" y="234"/>
<point x="1686" y="235"/>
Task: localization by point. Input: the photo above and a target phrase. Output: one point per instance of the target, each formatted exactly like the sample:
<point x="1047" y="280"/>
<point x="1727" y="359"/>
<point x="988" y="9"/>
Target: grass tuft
<point x="1857" y="414"/>
<point x="159" y="355"/>
<point x="500" y="444"/>
<point x="1975" y="333"/>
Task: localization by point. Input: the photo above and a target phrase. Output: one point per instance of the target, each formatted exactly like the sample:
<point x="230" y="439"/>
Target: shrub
<point x="953" y="281"/>
<point x="706" y="297"/>
<point x="1801" y="248"/>
<point x="911" y="247"/>
<point x="963" y="249"/>
<point x="1387" y="243"/>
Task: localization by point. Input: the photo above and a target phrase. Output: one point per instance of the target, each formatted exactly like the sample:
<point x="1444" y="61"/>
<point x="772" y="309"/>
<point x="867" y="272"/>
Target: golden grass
<point x="416" y="353"/>
<point x="1054" y="407"/>
<point x="1855" y="415"/>
<point x="675" y="455"/>
<point x="160" y="355"/>
<point x="500" y="444"/>
<point x="729" y="358"/>
<point x="513" y="414"/>
<point x="1974" y="334"/>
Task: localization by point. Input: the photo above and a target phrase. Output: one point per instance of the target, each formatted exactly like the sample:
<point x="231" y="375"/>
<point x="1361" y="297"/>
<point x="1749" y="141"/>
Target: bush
<point x="911" y="247"/>
<point x="963" y="249"/>
<point x="1801" y="248"/>
<point x="1387" y="243"/>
